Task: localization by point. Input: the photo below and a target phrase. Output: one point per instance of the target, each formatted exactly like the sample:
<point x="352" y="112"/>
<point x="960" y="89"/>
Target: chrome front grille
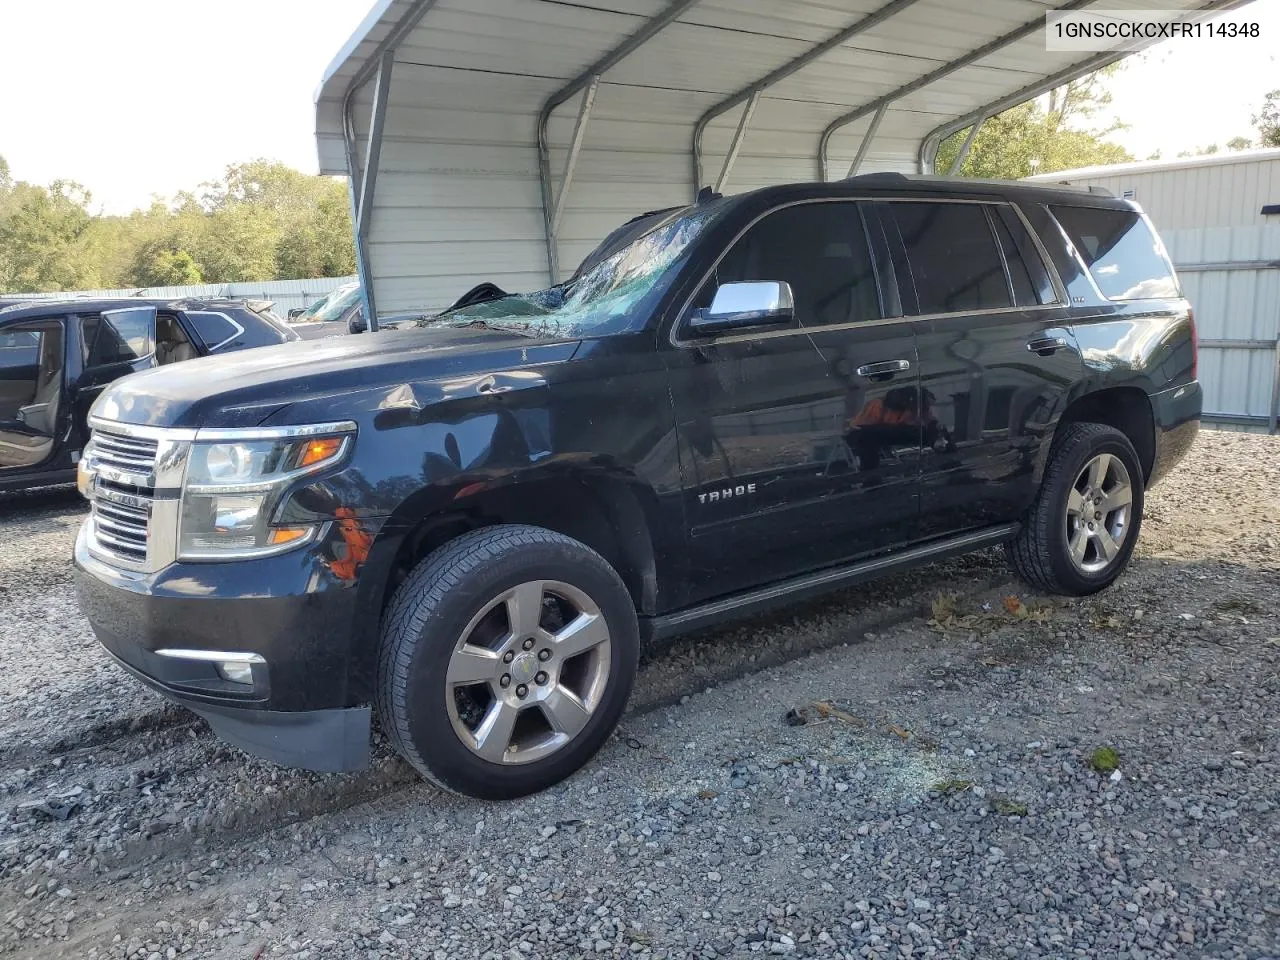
<point x="121" y="524"/>
<point x="128" y="454"/>
<point x="122" y="499"/>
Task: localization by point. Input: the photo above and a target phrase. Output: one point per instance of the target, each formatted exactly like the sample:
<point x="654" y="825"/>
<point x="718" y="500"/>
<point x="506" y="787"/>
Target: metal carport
<point x="502" y="139"/>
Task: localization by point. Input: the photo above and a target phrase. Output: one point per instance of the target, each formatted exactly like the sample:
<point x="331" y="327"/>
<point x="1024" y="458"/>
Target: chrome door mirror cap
<point x="754" y="303"/>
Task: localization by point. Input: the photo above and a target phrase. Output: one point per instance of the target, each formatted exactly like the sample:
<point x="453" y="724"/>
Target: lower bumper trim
<point x="326" y="741"/>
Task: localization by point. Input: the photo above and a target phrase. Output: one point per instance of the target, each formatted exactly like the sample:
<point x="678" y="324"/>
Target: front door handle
<point x="884" y="368"/>
<point x="1046" y="346"/>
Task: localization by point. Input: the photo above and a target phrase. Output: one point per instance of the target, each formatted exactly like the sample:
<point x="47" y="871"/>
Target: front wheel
<point x="1080" y="532"/>
<point x="507" y="659"/>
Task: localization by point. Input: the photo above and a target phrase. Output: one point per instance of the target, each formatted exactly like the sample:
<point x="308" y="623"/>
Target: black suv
<point x="57" y="355"/>
<point x="472" y="526"/>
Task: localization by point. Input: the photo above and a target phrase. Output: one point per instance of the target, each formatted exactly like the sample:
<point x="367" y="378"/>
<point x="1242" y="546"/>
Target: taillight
<point x="1195" y="342"/>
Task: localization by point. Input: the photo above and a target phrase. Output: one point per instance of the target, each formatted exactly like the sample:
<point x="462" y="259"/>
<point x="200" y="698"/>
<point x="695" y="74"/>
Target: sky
<point x="1180" y="95"/>
<point x="138" y="97"/>
<point x="135" y="98"/>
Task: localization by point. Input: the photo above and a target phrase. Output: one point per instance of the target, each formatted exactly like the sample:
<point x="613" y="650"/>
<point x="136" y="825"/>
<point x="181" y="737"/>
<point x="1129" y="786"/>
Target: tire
<point x="1042" y="553"/>
<point x="455" y="618"/>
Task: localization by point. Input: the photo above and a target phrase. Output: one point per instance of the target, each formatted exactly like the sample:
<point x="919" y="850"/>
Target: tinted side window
<point x="953" y="256"/>
<point x="820" y="249"/>
<point x="121" y="338"/>
<point x="1124" y="256"/>
<point x="1030" y="279"/>
<point x="214" y="329"/>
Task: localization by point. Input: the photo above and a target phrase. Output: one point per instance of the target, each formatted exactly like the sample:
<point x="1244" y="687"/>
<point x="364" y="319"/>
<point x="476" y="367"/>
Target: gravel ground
<point x="900" y="770"/>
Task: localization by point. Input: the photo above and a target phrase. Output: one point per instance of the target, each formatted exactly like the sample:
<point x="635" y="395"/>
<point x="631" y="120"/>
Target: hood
<point x="245" y="388"/>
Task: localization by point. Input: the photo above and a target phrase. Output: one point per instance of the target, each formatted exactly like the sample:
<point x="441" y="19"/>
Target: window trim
<point x="1061" y="297"/>
<point x="217" y="313"/>
<point x="990" y="216"/>
<point x="682" y="314"/>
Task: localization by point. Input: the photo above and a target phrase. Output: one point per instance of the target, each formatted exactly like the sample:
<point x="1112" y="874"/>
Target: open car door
<point x="32" y="392"/>
<point x="115" y="343"/>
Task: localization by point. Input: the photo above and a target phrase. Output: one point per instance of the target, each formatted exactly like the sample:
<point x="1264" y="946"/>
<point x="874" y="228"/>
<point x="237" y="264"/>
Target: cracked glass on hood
<point x="602" y="300"/>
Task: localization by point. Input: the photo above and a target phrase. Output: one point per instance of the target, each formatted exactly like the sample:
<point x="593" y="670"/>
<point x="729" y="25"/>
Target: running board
<point x="811" y="584"/>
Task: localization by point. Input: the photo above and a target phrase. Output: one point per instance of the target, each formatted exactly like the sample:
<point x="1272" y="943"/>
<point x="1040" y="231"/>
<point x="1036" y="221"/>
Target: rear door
<point x="799" y="447"/>
<point x="997" y="356"/>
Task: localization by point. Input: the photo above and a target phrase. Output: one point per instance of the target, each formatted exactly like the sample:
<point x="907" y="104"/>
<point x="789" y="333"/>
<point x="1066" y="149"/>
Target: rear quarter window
<point x="1124" y="256"/>
<point x="215" y="329"/>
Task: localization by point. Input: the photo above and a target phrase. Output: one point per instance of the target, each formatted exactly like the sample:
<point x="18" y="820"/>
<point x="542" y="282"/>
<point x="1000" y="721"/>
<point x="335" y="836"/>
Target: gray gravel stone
<point x="708" y="827"/>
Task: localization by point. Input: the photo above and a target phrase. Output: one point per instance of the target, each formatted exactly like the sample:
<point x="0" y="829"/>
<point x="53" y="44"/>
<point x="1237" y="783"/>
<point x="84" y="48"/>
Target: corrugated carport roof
<point x="510" y="135"/>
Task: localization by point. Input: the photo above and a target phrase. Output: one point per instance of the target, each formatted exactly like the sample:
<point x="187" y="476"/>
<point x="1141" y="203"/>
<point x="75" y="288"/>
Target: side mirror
<point x="356" y="324"/>
<point x="296" y="312"/>
<point x="758" y="303"/>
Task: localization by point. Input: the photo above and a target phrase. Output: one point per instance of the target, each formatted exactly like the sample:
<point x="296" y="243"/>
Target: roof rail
<point x="889" y="177"/>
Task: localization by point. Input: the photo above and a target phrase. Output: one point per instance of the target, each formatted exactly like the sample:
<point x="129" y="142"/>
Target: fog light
<point x="237" y="671"/>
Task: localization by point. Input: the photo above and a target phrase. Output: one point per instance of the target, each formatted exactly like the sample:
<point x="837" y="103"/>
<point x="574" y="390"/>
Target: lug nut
<point x="528" y="644"/>
<point x="521" y="690"/>
<point x="505" y="681"/>
<point x="540" y="678"/>
<point x="508" y="656"/>
<point x="544" y="654"/>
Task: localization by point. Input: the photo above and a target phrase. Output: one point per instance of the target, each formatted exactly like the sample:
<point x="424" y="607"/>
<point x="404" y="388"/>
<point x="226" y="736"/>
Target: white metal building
<point x="501" y="139"/>
<point x="1210" y="212"/>
<point x="1217" y="190"/>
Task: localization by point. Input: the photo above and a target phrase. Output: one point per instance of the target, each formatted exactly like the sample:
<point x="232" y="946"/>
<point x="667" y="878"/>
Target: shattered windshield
<point x="332" y="306"/>
<point x="603" y="299"/>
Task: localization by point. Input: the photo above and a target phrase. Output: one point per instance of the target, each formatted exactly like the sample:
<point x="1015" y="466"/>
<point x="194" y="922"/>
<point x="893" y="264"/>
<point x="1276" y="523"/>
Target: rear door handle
<point x="1046" y="345"/>
<point x="884" y="368"/>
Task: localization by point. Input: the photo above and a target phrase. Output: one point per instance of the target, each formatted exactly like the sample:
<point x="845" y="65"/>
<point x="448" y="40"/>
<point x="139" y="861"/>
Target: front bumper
<point x="1176" y="417"/>
<point x="289" y="609"/>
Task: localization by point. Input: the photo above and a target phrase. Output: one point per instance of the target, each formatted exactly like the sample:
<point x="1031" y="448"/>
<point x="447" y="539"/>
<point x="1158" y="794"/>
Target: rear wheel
<point x="1079" y="534"/>
<point x="507" y="658"/>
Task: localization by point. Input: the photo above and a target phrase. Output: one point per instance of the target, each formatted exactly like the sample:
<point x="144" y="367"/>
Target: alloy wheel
<point x="1098" y="513"/>
<point x="528" y="672"/>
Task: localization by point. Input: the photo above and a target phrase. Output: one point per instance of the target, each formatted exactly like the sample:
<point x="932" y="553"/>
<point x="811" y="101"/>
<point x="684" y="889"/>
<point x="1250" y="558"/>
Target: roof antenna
<point x="707" y="194"/>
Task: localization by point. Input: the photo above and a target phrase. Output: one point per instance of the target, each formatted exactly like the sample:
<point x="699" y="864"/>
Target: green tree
<point x="1199" y="151"/>
<point x="1239" y="143"/>
<point x="158" y="266"/>
<point x="45" y="240"/>
<point x="1268" y="120"/>
<point x="237" y="243"/>
<point x="311" y="216"/>
<point x="1041" y="137"/>
<point x="260" y="221"/>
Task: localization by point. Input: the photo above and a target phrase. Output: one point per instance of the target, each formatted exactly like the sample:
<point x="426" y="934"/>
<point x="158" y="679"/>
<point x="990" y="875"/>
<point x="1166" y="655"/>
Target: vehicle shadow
<point x="28" y="504"/>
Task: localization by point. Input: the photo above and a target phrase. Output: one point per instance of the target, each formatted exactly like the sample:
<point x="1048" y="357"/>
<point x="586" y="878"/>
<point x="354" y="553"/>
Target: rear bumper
<point x="288" y="611"/>
<point x="1176" y="416"/>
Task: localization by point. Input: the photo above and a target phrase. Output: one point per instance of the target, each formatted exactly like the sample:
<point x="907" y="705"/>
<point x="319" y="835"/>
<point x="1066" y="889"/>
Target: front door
<point x="32" y="376"/>
<point x="997" y="356"/>
<point x="799" y="447"/>
<point x="113" y="344"/>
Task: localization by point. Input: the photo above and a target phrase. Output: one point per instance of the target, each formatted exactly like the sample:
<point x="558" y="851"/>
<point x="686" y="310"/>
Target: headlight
<point x="234" y="486"/>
